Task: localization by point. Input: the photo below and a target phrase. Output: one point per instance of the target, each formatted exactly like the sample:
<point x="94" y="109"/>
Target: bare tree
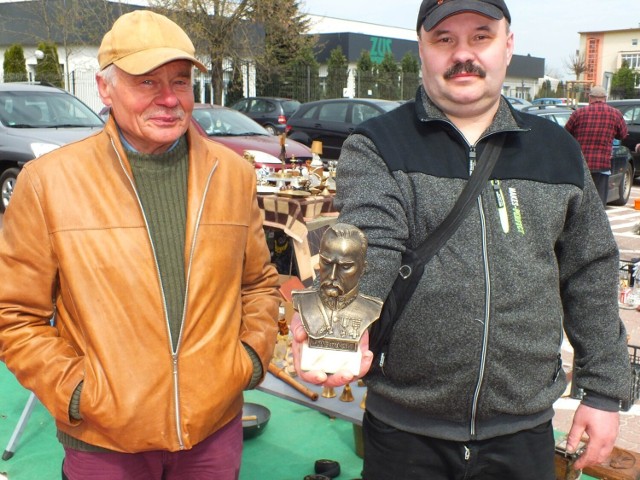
<point x="221" y="28"/>
<point x="69" y="24"/>
<point x="576" y="64"/>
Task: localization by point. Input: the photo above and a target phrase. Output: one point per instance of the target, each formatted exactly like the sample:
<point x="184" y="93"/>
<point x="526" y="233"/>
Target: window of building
<point x="632" y="59"/>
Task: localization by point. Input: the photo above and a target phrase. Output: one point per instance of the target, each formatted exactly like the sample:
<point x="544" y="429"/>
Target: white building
<point x="79" y="62"/>
<point x="604" y="51"/>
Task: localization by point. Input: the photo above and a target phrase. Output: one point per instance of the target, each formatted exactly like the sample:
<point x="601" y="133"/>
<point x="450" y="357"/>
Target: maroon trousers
<point x="218" y="457"/>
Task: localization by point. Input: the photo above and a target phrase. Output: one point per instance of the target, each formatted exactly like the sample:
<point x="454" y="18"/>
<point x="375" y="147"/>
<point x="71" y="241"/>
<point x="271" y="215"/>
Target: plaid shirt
<point x="594" y="127"/>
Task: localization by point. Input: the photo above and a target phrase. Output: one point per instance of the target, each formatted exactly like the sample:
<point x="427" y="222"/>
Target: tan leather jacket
<point x="75" y="231"/>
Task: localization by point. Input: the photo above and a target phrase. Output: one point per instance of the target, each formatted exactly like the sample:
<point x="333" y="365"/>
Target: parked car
<point x="550" y="101"/>
<point x="622" y="166"/>
<point x="631" y="112"/>
<point x="332" y="121"/>
<point x="243" y="135"/>
<point x="518" y="103"/>
<point x="554" y="112"/>
<point x="34" y="120"/>
<point x="270" y="112"/>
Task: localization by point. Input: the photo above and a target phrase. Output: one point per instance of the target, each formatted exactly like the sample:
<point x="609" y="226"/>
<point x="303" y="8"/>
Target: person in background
<point x="149" y="240"/>
<point x="474" y="366"/>
<point x="595" y="126"/>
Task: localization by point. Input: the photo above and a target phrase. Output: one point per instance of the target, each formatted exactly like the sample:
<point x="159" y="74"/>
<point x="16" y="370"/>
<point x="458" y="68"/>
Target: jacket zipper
<point x="502" y="206"/>
<point x="485" y="323"/>
<point x="174" y="354"/>
<point x="176" y="375"/>
<point x="485" y="333"/>
<point x="559" y="354"/>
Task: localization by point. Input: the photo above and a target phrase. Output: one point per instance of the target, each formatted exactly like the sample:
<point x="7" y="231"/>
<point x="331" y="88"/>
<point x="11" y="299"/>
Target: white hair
<point x="108" y="74"/>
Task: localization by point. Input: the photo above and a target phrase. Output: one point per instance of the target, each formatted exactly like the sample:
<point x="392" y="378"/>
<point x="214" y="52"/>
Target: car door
<point x="242" y="105"/>
<point x="328" y="124"/>
<point x="260" y="110"/>
<point x="631" y="114"/>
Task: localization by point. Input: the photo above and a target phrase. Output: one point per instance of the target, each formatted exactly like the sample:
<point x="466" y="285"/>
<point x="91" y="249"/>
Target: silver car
<point x="35" y="119"/>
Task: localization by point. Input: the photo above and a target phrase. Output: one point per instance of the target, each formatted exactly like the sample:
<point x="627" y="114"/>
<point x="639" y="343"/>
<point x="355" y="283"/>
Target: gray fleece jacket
<point x="476" y="352"/>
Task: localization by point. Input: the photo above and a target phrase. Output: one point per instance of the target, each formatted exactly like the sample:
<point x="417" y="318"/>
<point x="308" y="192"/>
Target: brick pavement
<point x="629" y="436"/>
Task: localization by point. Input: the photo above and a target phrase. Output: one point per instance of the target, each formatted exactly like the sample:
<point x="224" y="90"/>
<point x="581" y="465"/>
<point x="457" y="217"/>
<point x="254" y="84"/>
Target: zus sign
<point x="379" y="46"/>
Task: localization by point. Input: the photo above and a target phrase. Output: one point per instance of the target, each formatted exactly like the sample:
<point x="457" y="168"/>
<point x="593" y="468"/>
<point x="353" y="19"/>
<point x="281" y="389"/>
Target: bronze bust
<point x="336" y="314"/>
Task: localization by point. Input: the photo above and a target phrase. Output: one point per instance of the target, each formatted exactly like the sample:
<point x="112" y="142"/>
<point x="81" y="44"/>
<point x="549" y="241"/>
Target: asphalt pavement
<point x="625" y="221"/>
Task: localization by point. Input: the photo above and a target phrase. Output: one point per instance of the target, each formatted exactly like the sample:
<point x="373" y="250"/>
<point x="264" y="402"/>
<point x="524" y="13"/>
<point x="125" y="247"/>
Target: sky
<point x="543" y="28"/>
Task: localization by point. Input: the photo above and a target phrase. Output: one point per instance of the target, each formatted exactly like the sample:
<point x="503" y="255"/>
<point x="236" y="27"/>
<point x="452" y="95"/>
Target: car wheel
<point x="625" y="187"/>
<point x="7" y="184"/>
<point x="271" y="129"/>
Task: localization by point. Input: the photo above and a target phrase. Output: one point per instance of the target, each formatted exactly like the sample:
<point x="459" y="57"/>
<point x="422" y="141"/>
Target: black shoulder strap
<point x="469" y="194"/>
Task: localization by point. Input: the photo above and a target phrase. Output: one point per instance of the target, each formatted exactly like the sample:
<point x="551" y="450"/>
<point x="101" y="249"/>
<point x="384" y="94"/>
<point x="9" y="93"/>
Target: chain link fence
<point x="306" y="87"/>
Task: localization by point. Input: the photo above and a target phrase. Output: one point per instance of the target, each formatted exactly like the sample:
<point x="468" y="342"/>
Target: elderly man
<point x="473" y="365"/>
<point x="149" y="240"/>
<point x="595" y="127"/>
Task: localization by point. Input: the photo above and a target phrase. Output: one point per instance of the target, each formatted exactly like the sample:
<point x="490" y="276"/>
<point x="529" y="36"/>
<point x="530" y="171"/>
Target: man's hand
<point x="318" y="377"/>
<point x="602" y="429"/>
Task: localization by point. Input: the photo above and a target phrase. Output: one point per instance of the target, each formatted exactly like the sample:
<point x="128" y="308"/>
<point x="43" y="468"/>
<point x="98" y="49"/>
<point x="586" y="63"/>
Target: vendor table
<point x="303" y="219"/>
<point x="334" y="407"/>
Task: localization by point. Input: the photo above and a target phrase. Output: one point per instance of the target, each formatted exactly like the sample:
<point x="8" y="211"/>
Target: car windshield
<point x="45" y="110"/>
<point x="220" y="122"/>
<point x="290" y="106"/>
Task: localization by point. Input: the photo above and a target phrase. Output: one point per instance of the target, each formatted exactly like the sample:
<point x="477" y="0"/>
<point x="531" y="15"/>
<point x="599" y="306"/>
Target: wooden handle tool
<point x="288" y="379"/>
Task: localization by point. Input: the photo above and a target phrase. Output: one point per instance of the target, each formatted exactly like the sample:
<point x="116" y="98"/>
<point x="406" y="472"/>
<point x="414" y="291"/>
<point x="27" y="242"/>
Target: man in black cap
<point x="473" y="367"/>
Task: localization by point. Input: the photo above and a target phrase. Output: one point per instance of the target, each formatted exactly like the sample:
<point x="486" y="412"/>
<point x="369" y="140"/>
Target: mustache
<point x="177" y="112"/>
<point x="465" y="67"/>
<point x="329" y="283"/>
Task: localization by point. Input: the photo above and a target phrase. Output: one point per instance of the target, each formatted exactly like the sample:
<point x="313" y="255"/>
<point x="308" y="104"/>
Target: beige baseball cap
<point x="141" y="41"/>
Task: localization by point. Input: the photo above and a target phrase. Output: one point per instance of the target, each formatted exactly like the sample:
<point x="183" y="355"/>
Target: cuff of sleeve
<point x="600" y="402"/>
<point x="74" y="405"/>
<point x="257" y="368"/>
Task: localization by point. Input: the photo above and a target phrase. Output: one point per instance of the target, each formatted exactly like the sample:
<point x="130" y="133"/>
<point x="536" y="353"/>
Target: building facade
<point x="605" y="51"/>
<point x="524" y="75"/>
<point x="20" y="22"/>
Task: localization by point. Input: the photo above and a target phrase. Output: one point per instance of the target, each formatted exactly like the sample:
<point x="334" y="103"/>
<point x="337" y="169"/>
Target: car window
<point x="241" y="105"/>
<point x="333" y="112"/>
<point x="290" y="106"/>
<point x="258" y="106"/>
<point x="388" y="106"/>
<point x="45" y="110"/>
<point x="561" y="119"/>
<point x="311" y="113"/>
<point x="226" y="122"/>
<point x="362" y="112"/>
<point x="632" y="115"/>
<point x="269" y="107"/>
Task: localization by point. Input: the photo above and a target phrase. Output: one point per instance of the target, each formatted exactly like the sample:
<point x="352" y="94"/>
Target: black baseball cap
<point x="432" y="12"/>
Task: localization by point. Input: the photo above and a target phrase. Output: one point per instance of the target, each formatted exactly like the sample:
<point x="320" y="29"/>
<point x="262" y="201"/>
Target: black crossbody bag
<point x="413" y="261"/>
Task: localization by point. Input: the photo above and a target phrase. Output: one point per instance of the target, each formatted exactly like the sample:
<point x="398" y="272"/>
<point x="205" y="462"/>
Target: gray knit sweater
<point x="476" y="352"/>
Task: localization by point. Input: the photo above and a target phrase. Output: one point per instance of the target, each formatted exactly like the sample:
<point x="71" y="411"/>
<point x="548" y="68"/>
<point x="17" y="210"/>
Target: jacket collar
<point x="197" y="148"/>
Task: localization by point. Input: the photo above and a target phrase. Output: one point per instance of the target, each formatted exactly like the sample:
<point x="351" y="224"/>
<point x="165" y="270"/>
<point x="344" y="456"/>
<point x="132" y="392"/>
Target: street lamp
<point x="40" y="55"/>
